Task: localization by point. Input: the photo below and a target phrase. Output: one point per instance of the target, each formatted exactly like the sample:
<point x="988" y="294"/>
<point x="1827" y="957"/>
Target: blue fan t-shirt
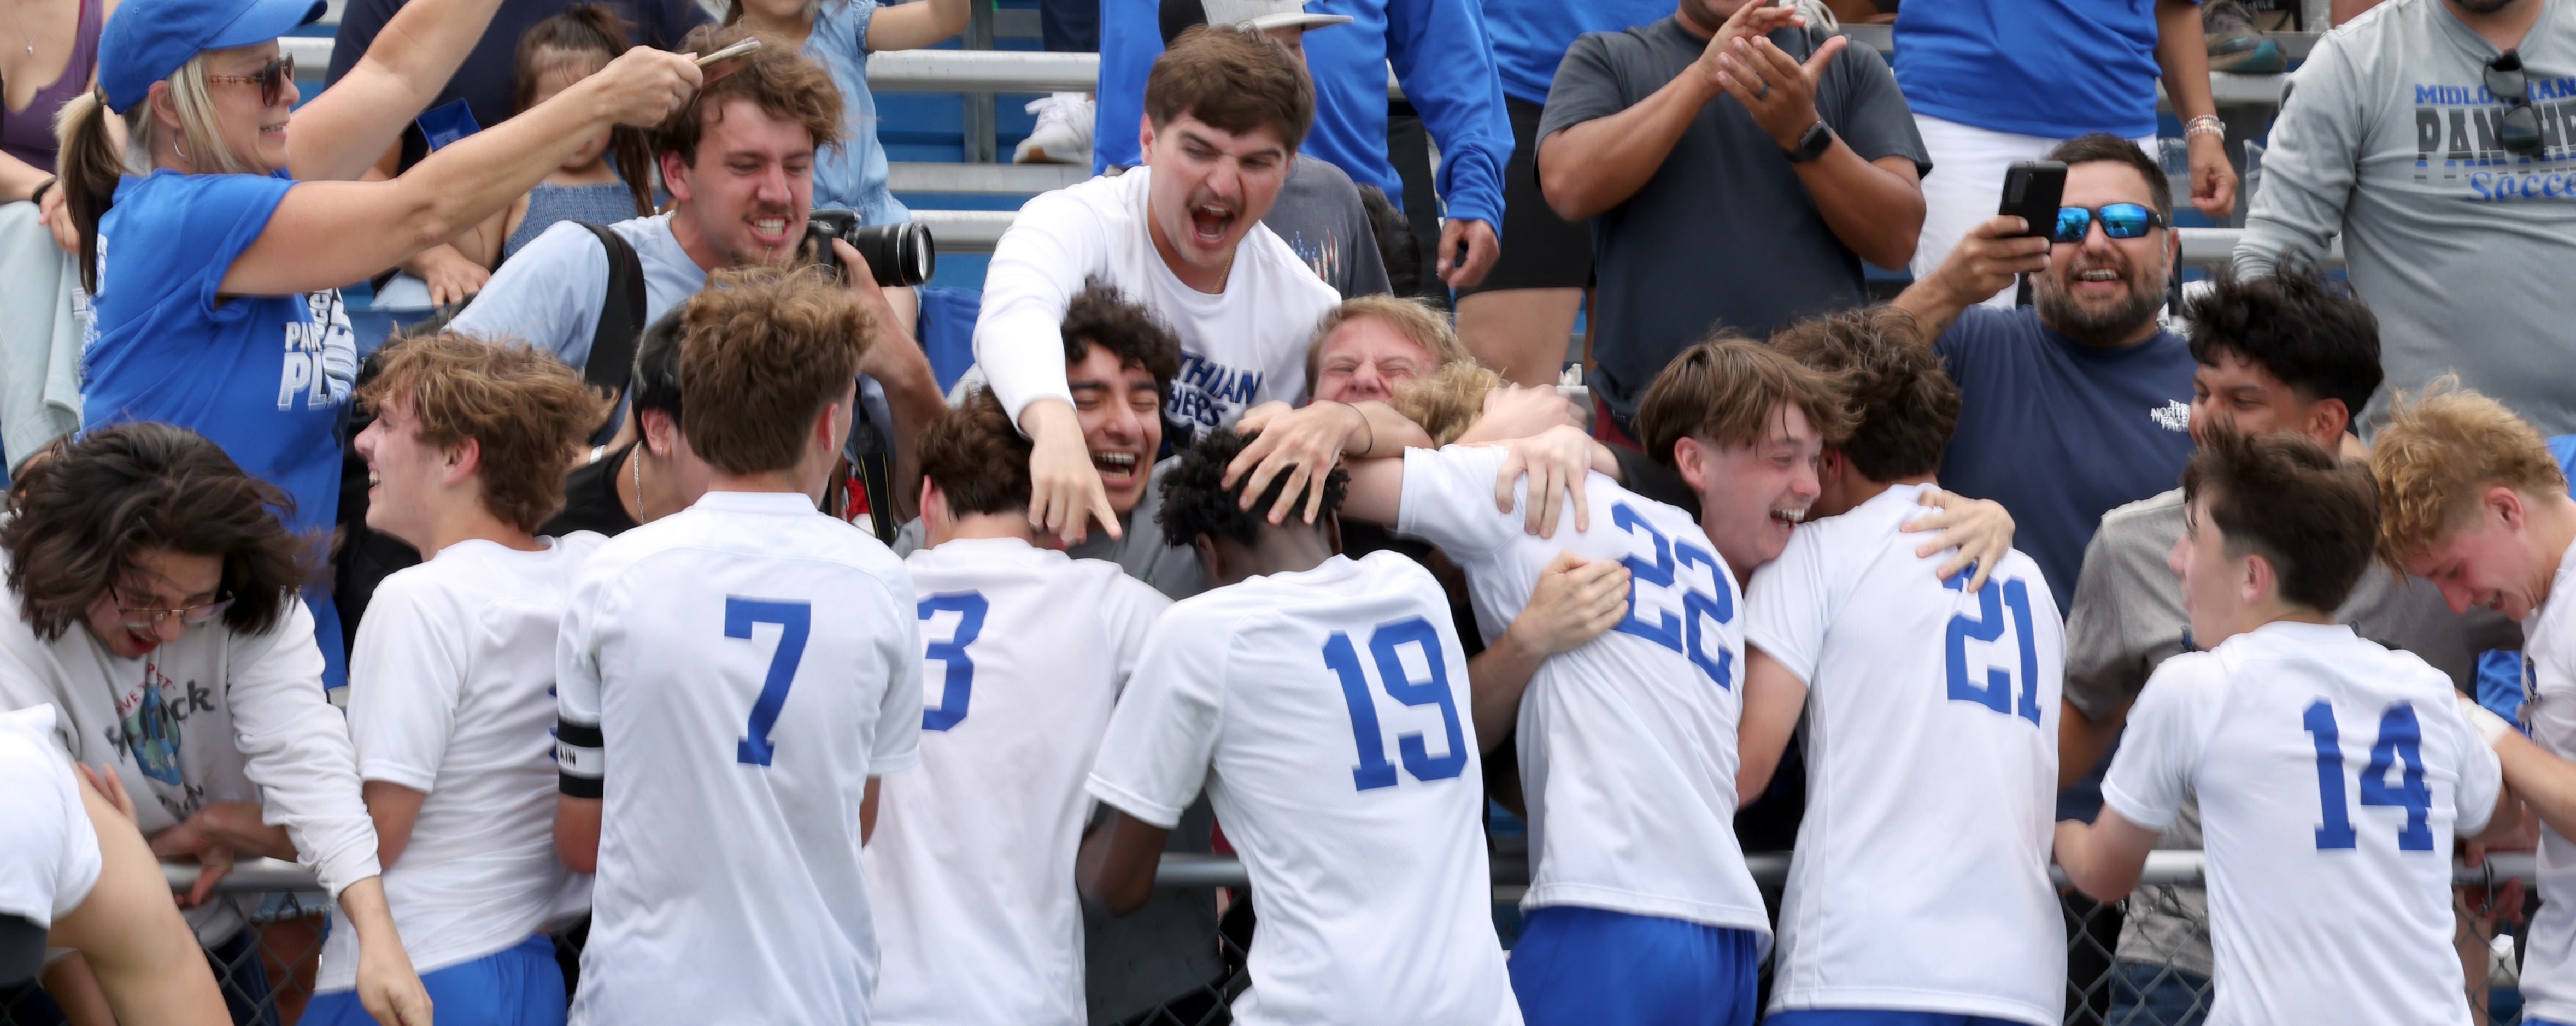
<point x="2060" y="432"/>
<point x="2050" y="68"/>
<point x="1531" y="36"/>
<point x="262" y="376"/>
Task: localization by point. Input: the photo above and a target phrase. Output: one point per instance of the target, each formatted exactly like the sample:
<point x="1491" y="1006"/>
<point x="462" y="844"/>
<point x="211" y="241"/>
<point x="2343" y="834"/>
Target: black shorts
<point x="1540" y="249"/>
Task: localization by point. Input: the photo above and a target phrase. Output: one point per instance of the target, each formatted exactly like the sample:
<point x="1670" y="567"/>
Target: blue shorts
<point x="520" y="986"/>
<point x="1877" y="1017"/>
<point x="1577" y="966"/>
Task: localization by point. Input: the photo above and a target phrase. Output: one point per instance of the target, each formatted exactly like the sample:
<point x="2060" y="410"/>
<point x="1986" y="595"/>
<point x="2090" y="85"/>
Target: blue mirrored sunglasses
<point x="2119" y="221"/>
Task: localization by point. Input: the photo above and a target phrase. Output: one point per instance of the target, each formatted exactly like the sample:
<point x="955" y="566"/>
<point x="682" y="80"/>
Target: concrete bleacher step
<point x="982" y="179"/>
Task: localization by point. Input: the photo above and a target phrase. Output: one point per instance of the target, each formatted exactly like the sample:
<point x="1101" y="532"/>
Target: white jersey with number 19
<point x="1921" y="877"/>
<point x="1024" y="652"/>
<point x="729" y="678"/>
<point x="2332" y="774"/>
<point x="1375" y="896"/>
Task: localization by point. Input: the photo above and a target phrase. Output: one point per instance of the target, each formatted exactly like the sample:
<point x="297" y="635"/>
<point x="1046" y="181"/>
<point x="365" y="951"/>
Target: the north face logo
<point x="2174" y="415"/>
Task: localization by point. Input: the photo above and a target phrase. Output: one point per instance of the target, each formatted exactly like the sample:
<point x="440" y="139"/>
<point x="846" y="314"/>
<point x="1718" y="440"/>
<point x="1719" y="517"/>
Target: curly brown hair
<point x="784" y="83"/>
<point x="762" y="351"/>
<point x="1904" y="406"/>
<point x="81" y="512"/>
<point x="1724" y="391"/>
<point x="1103" y="316"/>
<point x="524" y="410"/>
<point x="977" y="456"/>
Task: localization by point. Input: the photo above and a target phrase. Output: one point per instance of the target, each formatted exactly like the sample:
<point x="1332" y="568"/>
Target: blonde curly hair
<point x="2439" y="453"/>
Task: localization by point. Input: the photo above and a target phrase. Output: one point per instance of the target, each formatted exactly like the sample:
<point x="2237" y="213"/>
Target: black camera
<point x="897" y="254"/>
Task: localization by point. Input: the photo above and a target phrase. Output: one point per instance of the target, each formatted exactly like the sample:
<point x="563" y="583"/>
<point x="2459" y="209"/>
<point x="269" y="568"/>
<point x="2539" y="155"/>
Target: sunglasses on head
<point x="2119" y="221"/>
<point x="2518" y="131"/>
<point x="271" y="79"/>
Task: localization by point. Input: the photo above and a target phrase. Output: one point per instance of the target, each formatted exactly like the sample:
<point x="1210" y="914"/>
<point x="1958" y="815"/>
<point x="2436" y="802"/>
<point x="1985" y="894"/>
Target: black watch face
<point x="1817" y="140"/>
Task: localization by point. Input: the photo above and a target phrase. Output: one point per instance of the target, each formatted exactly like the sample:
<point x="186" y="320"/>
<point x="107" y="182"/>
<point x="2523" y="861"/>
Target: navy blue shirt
<point x="2061" y="432"/>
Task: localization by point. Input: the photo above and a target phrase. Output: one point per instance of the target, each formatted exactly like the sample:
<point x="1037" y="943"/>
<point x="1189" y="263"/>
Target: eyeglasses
<point x="146" y="619"/>
<point x="2519" y="130"/>
<point x="2119" y="221"/>
<point x="271" y="79"/>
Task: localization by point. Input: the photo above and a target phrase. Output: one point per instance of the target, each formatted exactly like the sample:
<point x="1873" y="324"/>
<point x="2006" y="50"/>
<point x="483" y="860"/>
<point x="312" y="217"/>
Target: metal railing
<point x="2152" y="978"/>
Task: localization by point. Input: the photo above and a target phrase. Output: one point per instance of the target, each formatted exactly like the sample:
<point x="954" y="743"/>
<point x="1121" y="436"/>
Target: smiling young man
<point x="451" y="705"/>
<point x="152" y="592"/>
<point x="2332" y="773"/>
<point x="2473" y="501"/>
<point x="1225" y="111"/>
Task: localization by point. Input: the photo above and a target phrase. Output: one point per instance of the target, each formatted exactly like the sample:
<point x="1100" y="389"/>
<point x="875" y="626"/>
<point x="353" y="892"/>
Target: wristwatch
<point x="1813" y="144"/>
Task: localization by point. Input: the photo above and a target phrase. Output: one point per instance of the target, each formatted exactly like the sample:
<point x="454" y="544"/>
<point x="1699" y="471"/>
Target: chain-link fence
<point x="2142" y="962"/>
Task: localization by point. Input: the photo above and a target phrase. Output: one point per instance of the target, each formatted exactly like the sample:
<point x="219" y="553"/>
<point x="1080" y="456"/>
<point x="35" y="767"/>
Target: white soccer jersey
<point x="1920" y="881"/>
<point x="2332" y="774"/>
<point x="730" y="677"/>
<point x="970" y="875"/>
<point x="1627" y="744"/>
<point x="1327" y="712"/>
<point x="452" y="694"/>
<point x="2549" y="712"/>
<point x="49" y="856"/>
<point x="1243" y="346"/>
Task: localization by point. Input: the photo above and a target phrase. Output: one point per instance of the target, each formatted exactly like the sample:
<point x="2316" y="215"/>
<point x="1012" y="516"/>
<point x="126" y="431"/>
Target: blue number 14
<point x="1374" y="771"/>
<point x="2400" y="740"/>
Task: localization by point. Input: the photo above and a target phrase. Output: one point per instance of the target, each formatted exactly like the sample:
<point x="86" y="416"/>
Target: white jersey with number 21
<point x="2332" y="775"/>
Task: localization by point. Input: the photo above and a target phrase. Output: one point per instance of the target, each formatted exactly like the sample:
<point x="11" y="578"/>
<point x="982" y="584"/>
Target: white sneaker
<point x="1063" y="134"/>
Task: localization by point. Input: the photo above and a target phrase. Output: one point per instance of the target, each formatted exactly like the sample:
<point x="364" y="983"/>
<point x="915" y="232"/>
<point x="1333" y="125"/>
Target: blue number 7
<point x="970" y="608"/>
<point x="795" y="620"/>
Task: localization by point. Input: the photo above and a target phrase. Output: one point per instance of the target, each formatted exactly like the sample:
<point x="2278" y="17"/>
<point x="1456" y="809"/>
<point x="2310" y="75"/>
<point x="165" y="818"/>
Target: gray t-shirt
<point x="2388" y="135"/>
<point x="1319" y="215"/>
<point x="1173" y="570"/>
<point x="1725" y="233"/>
<point x="2128" y="617"/>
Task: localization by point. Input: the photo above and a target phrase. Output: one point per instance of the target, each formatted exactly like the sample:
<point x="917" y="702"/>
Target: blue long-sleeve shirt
<point x="1442" y="55"/>
<point x="1531" y="36"/>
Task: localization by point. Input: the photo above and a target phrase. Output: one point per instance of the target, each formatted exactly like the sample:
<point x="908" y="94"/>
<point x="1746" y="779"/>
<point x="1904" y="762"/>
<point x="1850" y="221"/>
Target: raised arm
<point x="2314" y="160"/>
<point x="1295" y="441"/>
<point x="1041" y="262"/>
<point x="1985" y="262"/>
<point x="2182" y="53"/>
<point x="1597" y="164"/>
<point x="322" y="232"/>
<point x="1444" y="57"/>
<point x="338" y="135"/>
<point x="1874" y="206"/>
<point x="915" y="25"/>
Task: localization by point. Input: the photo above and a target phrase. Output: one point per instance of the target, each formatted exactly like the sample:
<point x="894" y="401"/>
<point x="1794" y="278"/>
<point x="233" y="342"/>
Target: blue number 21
<point x="1374" y="771"/>
<point x="2400" y="739"/>
<point x="795" y="620"/>
<point x="1987" y="625"/>
<point x="969" y="607"/>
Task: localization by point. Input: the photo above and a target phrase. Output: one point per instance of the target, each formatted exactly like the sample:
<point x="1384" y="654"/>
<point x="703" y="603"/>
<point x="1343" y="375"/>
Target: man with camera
<point x="739" y="161"/>
<point x="2431" y="136"/>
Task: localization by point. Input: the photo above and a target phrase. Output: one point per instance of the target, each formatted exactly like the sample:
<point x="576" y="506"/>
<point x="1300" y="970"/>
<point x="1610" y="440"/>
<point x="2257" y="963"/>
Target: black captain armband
<point x="577" y="759"/>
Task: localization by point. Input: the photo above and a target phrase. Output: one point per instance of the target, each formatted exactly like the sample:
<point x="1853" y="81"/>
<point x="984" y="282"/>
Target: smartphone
<point x="2032" y="191"/>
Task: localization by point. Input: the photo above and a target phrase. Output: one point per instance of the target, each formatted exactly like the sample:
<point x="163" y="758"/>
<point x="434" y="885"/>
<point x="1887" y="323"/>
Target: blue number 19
<point x="1374" y="771"/>
<point x="794" y="620"/>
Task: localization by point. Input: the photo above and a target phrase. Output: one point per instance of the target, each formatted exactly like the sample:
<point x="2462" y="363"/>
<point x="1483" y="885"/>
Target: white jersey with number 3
<point x="1921" y="876"/>
<point x="2332" y="775"/>
<point x="1627" y="744"/>
<point x="1328" y="715"/>
<point x="971" y="870"/>
<point x="739" y="669"/>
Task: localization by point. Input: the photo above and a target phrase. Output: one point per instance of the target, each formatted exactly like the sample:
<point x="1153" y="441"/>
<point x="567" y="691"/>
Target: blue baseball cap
<point x="147" y="40"/>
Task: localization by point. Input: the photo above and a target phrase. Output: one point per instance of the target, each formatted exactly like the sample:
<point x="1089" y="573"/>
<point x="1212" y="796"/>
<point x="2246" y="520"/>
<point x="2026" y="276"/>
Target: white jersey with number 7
<point x="2332" y="775"/>
<point x="729" y="678"/>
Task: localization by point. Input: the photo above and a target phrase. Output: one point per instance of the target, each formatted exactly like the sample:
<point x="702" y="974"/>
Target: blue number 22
<point x="969" y="607"/>
<point x="1374" y="771"/>
<point x="795" y="620"/>
<point x="1682" y="634"/>
<point x="2400" y="739"/>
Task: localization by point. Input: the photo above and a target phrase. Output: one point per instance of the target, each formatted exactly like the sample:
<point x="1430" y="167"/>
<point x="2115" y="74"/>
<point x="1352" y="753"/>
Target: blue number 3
<point x="969" y="607"/>
<point x="795" y="620"/>
<point x="1374" y="771"/>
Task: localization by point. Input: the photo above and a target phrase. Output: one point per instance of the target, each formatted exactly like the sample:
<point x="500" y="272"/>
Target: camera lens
<point x="898" y="254"/>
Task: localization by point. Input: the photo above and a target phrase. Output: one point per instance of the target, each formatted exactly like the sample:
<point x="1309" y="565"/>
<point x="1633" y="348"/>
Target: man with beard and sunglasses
<point x="2431" y="135"/>
<point x="2074" y="405"/>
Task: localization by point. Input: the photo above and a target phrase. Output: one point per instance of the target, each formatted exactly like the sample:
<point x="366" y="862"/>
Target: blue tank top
<point x="602" y="203"/>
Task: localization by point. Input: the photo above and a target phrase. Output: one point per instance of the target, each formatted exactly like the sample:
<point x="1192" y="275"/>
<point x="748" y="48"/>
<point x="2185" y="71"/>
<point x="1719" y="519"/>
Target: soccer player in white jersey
<point x="1224" y="112"/>
<point x="733" y="678"/>
<point x="75" y="873"/>
<point x="1640" y="908"/>
<point x="2472" y="500"/>
<point x="452" y="701"/>
<point x="2331" y="772"/>
<point x="1323" y="703"/>
<point x="1024" y="651"/>
<point x="1920" y="883"/>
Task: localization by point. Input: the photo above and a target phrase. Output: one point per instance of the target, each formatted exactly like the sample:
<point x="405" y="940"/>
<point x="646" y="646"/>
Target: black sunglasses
<point x="271" y="79"/>
<point x="2119" y="221"/>
<point x="2519" y="130"/>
